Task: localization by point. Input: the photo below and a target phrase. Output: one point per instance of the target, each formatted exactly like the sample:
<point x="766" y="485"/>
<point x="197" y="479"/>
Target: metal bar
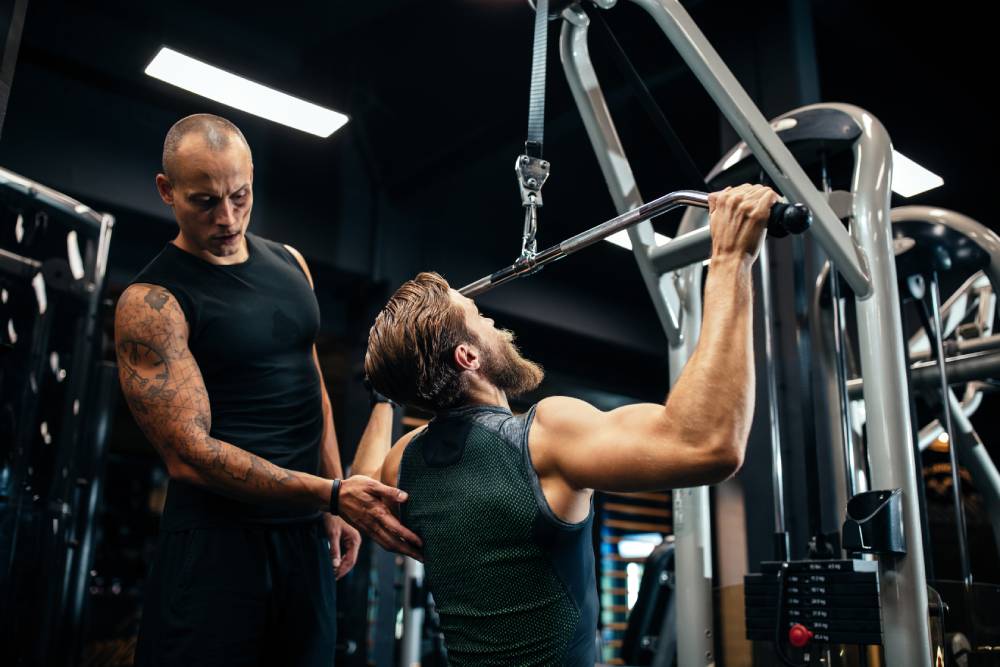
<point x="840" y="359"/>
<point x="831" y="413"/>
<point x="413" y="613"/>
<point x="18" y="266"/>
<point x="926" y="536"/>
<point x="770" y="369"/>
<point x="748" y="122"/>
<point x="50" y="198"/>
<point x="959" y="369"/>
<point x="956" y="482"/>
<point x="979" y="234"/>
<point x="933" y="430"/>
<point x="610" y="154"/>
<point x="588" y="238"/>
<point x="968" y="346"/>
<point x="692" y="517"/>
<point x="973" y="455"/>
<point x="681" y="251"/>
<point x="902" y="581"/>
<point x="677" y="300"/>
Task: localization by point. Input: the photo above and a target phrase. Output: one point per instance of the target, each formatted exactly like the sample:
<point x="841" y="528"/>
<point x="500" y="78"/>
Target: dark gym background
<point x="421" y="178"/>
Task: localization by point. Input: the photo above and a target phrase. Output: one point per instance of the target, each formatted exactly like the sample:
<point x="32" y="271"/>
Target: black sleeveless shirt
<point x="252" y="328"/>
<point x="513" y="583"/>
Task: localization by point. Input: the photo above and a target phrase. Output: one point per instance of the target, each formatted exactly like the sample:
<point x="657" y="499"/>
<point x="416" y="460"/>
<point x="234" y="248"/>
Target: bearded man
<point x="504" y="503"/>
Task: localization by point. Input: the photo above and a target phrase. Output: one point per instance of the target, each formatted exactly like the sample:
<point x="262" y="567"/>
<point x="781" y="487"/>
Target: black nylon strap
<point x="689" y="170"/>
<point x="536" y="102"/>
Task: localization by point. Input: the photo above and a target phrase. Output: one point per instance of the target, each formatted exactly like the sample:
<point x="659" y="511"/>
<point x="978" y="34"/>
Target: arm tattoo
<point x="156" y="298"/>
<point x="166" y="393"/>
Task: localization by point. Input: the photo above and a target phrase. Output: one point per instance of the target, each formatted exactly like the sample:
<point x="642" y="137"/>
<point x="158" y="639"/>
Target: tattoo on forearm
<point x="166" y="393"/>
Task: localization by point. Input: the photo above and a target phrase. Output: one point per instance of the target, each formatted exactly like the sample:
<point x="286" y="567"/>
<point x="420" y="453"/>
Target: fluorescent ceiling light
<point x="909" y="178"/>
<point x="621" y="239"/>
<point x="203" y="79"/>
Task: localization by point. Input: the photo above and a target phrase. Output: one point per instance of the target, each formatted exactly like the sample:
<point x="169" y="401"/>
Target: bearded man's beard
<point x="508" y="370"/>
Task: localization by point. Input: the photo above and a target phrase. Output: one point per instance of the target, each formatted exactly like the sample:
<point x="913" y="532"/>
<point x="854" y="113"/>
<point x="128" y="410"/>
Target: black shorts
<point x="245" y="594"/>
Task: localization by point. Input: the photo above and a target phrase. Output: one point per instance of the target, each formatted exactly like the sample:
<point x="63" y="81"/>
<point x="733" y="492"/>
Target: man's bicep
<point x="632" y="448"/>
<point x="159" y="377"/>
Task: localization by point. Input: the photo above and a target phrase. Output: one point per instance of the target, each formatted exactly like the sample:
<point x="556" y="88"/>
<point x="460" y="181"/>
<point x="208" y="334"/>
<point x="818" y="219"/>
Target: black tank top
<point x="252" y="328"/>
<point x="513" y="583"/>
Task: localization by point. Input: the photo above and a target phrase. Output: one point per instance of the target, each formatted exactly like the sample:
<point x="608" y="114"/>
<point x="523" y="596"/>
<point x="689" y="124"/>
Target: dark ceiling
<point x="437" y="97"/>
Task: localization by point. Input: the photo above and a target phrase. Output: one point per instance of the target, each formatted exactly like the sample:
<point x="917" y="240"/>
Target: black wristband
<point x="375" y="398"/>
<point x="335" y="496"/>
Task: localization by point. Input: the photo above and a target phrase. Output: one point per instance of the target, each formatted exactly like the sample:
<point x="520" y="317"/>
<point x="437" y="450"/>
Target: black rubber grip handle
<point x="788" y="219"/>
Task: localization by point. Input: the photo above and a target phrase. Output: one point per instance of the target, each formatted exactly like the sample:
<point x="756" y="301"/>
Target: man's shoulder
<point x="558" y="410"/>
<point x="146" y="312"/>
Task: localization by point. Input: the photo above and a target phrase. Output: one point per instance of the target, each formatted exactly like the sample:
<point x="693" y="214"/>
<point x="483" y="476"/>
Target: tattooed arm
<point x="166" y="393"/>
<point x="164" y="388"/>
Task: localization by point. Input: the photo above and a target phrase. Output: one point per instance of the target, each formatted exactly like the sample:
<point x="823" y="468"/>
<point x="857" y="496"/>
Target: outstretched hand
<point x="366" y="504"/>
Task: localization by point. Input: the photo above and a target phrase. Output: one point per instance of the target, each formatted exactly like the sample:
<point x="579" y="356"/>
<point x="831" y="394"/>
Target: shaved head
<point x="215" y="132"/>
<point x="207" y="180"/>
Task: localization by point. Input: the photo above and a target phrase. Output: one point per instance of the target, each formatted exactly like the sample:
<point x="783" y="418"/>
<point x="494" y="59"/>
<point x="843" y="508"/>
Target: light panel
<point x="235" y="91"/>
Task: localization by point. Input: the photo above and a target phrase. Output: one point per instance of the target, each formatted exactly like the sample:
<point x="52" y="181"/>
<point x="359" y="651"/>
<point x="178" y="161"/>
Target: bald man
<point x="217" y="360"/>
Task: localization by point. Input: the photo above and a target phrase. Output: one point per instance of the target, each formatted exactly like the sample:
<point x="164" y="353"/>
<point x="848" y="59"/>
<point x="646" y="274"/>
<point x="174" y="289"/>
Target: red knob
<point x="799" y="635"/>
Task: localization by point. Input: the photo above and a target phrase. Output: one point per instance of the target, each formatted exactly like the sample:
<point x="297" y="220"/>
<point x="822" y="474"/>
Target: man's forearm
<point x="375" y="442"/>
<point x="237" y="473"/>
<point x="714" y="396"/>
<point x="329" y="451"/>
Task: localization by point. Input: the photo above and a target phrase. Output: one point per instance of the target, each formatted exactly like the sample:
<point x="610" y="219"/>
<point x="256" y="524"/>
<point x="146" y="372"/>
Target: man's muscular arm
<point x="164" y="388"/>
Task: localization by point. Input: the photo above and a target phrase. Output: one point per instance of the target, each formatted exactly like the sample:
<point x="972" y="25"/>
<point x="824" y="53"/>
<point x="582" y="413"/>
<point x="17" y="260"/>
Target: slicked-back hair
<point x="412" y="343"/>
<point x="216" y="131"/>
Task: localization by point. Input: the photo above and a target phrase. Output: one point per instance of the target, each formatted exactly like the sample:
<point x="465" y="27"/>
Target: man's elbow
<point x="180" y="471"/>
<point x="728" y="459"/>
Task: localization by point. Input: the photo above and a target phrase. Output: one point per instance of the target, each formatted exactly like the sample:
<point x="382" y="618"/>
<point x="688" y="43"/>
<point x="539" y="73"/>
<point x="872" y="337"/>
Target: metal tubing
<point x="610" y="153"/>
<point x="589" y="237"/>
<point x="981" y="235"/>
<point x="973" y="455"/>
<point x="681" y="290"/>
<point x="681" y="251"/>
<point x="770" y="365"/>
<point x="831" y="412"/>
<point x="933" y="430"/>
<point x="692" y="517"/>
<point x="956" y="482"/>
<point x="748" y="122"/>
<point x="972" y="345"/>
<point x="968" y="346"/>
<point x="51" y="199"/>
<point x="677" y="300"/>
<point x="840" y="359"/>
<point x="902" y="581"/>
<point x="17" y="266"/>
<point x="959" y="369"/>
<point x="413" y="614"/>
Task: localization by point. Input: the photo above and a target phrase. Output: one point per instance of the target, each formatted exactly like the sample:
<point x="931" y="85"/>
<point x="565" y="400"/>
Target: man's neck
<point x="487" y="395"/>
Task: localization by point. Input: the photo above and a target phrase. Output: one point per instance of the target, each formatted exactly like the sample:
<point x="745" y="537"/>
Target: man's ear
<point x="165" y="188"/>
<point x="467" y="357"/>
